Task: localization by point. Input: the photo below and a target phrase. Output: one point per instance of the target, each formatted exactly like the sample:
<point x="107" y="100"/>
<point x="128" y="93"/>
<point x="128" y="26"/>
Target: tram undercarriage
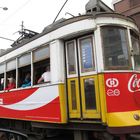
<point x="24" y="130"/>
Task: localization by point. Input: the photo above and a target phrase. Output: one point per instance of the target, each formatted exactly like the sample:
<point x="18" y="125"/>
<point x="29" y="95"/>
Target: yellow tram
<point x="95" y="80"/>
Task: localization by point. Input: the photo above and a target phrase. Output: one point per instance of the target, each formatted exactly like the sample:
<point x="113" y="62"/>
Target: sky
<point x="35" y="14"/>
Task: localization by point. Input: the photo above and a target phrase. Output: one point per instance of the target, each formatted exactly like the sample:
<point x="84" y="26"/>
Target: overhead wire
<point x="11" y="15"/>
<point x="16" y="11"/>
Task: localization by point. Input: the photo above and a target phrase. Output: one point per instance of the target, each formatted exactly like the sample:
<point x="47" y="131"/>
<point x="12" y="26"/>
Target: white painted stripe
<point x="39" y="98"/>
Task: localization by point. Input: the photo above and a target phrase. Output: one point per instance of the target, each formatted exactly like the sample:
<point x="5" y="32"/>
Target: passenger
<point x="45" y="77"/>
<point x="27" y="81"/>
<point x="11" y="84"/>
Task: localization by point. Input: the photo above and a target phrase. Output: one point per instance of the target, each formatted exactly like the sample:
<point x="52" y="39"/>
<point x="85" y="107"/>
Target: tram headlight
<point x="136" y="117"/>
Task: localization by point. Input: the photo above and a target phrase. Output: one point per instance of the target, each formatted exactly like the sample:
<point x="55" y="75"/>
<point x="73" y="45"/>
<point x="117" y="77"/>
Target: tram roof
<point x="63" y="22"/>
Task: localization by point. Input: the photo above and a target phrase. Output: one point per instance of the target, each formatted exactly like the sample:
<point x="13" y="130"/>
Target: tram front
<point x="103" y="74"/>
<point x="121" y="68"/>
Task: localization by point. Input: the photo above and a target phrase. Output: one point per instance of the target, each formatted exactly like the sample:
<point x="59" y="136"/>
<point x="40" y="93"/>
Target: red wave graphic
<point x="16" y="96"/>
<point x="49" y="113"/>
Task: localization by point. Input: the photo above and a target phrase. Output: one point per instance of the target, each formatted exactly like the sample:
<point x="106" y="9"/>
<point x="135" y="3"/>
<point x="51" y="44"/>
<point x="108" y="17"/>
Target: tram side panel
<point x="122" y="99"/>
<point x="43" y="104"/>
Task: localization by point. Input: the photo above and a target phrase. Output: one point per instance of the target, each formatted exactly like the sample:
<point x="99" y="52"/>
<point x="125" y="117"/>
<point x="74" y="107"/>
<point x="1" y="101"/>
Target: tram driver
<point x="45" y="77"/>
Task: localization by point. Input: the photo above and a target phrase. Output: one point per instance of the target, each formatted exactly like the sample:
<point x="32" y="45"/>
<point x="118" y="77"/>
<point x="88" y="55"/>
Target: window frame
<point x="88" y="72"/>
<point x="4" y="65"/>
<point x="8" y="62"/>
<point x="116" y="68"/>
<point x="133" y="52"/>
<point x="22" y="56"/>
<point x="39" y="48"/>
<point x="76" y="67"/>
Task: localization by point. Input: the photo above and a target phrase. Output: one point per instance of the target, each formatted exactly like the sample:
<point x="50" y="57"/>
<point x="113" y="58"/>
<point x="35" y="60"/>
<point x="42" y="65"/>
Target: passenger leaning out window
<point x="45" y="77"/>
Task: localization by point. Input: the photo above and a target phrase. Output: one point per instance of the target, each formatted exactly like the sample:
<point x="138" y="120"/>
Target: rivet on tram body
<point x="136" y="117"/>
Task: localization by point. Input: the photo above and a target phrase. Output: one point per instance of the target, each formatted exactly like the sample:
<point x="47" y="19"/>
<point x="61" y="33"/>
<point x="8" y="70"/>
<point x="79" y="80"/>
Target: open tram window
<point x="86" y="54"/>
<point x="41" y="59"/>
<point x="22" y="74"/>
<point x="1" y="81"/>
<point x="24" y="70"/>
<point x="136" y="49"/>
<point x="2" y="69"/>
<point x="115" y="48"/>
<point x="11" y="74"/>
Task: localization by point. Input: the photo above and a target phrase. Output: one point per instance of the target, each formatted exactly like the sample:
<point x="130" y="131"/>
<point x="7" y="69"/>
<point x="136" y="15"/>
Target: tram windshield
<point x="115" y="48"/>
<point x="136" y="49"/>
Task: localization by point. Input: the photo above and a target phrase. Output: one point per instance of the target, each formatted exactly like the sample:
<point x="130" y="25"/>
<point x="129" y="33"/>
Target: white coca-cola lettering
<point x="134" y="83"/>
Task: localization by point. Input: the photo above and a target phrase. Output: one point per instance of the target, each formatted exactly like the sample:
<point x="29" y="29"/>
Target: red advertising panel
<point x="36" y="104"/>
<point x="122" y="91"/>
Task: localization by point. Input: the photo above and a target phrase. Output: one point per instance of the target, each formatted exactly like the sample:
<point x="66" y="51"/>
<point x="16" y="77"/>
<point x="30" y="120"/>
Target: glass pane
<point x="41" y="53"/>
<point x="11" y="65"/>
<point x="136" y="50"/>
<point x="115" y="45"/>
<point x="86" y="53"/>
<point x="73" y="95"/>
<point x="2" y="68"/>
<point x="24" y="60"/>
<point x="90" y="99"/>
<point x="71" y="58"/>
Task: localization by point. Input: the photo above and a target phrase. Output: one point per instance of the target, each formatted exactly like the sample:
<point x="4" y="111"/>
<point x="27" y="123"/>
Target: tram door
<point x="82" y="80"/>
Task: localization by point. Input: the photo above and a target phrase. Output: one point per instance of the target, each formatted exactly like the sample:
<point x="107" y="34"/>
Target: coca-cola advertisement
<point x="122" y="91"/>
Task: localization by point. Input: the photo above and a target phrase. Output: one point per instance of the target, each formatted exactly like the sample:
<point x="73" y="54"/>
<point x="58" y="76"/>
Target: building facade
<point x="128" y="8"/>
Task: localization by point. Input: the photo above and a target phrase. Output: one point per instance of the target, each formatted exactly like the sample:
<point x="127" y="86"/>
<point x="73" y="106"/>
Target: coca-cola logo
<point x="134" y="83"/>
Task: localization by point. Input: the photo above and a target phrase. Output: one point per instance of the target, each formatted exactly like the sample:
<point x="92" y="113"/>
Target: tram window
<point x="10" y="71"/>
<point x="24" y="68"/>
<point x="41" y="59"/>
<point x="11" y="65"/>
<point x="39" y="69"/>
<point x="90" y="99"/>
<point x="9" y="75"/>
<point x="1" y="81"/>
<point x="2" y="68"/>
<point x="41" y="53"/>
<point x="73" y="95"/>
<point x="71" y="57"/>
<point x="136" y="49"/>
<point x="115" y="47"/>
<point x="24" y="60"/>
<point x="22" y="72"/>
<point x="86" y="54"/>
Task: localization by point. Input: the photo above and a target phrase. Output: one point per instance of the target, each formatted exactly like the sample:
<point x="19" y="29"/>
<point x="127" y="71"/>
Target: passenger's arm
<point x="40" y="80"/>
